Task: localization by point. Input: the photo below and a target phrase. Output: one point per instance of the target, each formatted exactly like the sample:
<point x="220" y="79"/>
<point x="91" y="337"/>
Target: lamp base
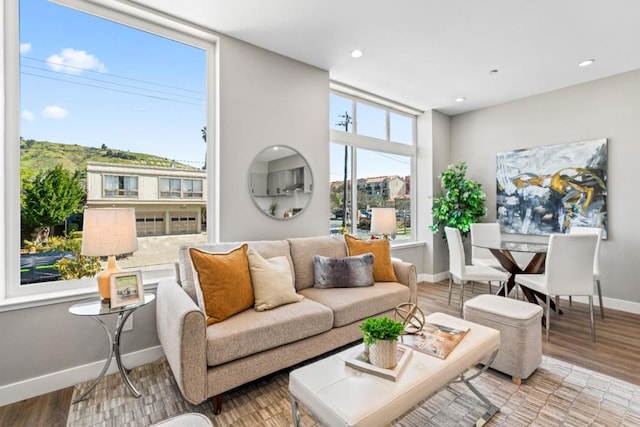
<point x="104" y="279"/>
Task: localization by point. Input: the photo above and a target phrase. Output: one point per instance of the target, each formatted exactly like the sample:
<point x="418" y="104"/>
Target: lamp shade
<point x="109" y="231"/>
<point x="383" y="220"/>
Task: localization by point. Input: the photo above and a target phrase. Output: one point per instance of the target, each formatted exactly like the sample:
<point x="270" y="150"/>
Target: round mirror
<point x="280" y="182"/>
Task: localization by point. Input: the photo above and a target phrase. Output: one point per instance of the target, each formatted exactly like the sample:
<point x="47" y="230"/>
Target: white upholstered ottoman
<point x="520" y="332"/>
<point x="338" y="395"/>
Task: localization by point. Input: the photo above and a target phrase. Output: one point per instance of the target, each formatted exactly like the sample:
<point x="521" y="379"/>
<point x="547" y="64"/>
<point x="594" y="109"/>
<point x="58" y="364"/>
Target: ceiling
<point x="427" y="53"/>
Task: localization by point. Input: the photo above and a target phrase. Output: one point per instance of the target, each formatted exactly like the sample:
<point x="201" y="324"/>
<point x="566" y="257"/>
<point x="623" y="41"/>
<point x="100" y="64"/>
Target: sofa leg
<point x="516" y="380"/>
<point x="217" y="404"/>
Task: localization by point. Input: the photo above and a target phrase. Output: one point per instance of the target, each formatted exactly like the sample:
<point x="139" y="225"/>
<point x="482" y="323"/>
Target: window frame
<point x="355" y="142"/>
<point x="13" y="295"/>
<point x="120" y="192"/>
<point x="182" y="193"/>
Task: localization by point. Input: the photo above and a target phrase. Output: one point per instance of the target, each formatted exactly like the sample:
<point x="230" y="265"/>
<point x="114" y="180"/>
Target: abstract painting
<point x="549" y="189"/>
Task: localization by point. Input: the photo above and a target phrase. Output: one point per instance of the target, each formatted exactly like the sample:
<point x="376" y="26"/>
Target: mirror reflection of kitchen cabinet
<point x="307" y="180"/>
<point x="280" y="182"/>
<point x="259" y="184"/>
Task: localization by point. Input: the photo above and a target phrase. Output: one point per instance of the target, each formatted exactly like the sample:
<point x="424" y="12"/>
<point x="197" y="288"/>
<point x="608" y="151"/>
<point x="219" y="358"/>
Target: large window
<point x="373" y="146"/>
<point x="107" y="85"/>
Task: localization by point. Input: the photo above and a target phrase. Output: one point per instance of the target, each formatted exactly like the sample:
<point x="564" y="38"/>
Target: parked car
<point x="339" y="213"/>
<point x="38" y="267"/>
<point x="401" y="216"/>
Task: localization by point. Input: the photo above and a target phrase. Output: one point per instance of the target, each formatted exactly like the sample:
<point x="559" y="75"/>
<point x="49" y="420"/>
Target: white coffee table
<point x="337" y="395"/>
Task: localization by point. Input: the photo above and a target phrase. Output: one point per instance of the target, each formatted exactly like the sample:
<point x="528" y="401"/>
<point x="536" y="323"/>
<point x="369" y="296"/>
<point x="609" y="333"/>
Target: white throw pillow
<point x="272" y="281"/>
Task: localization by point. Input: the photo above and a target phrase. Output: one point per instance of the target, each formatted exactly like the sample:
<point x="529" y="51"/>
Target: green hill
<point x="42" y="155"/>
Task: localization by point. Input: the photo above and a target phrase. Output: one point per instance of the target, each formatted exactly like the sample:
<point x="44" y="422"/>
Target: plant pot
<point x="383" y="354"/>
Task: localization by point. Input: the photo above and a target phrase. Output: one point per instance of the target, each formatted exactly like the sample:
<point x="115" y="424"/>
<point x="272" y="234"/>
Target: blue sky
<point x="89" y="81"/>
<point x="150" y="94"/>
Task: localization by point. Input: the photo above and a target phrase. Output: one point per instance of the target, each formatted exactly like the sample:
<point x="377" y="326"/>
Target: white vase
<point x="383" y="354"/>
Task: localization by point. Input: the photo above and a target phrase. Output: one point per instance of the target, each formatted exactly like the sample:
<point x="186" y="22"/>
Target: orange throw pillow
<point x="223" y="281"/>
<point x="381" y="250"/>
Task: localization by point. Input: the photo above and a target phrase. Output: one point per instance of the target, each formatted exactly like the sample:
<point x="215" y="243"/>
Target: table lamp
<point x="108" y="232"/>
<point x="383" y="221"/>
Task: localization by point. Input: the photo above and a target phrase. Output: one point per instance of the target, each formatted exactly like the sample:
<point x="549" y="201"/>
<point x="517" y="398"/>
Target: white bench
<point x="338" y="395"/>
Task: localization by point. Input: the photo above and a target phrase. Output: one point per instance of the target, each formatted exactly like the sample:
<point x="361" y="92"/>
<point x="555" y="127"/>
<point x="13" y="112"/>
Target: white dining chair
<point x="596" y="260"/>
<point x="568" y="271"/>
<point x="487" y="233"/>
<point x="458" y="270"/>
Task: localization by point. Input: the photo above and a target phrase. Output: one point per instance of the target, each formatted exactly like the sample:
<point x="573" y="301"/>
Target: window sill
<point x="150" y="278"/>
<point x="411" y="244"/>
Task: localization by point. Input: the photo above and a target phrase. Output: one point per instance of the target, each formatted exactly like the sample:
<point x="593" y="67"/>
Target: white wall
<point x="604" y="108"/>
<point x="267" y="99"/>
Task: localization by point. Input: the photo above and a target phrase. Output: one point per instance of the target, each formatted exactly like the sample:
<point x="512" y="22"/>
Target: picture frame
<point x="126" y="289"/>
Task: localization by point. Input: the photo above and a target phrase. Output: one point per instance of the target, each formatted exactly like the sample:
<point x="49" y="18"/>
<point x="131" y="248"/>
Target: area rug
<point x="557" y="394"/>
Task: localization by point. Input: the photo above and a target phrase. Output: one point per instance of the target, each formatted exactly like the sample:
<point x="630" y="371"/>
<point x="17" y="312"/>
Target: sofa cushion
<point x="382" y="266"/>
<point x="303" y="249"/>
<point x="223" y="282"/>
<point x="353" y="304"/>
<point x="266" y="248"/>
<point x="253" y="331"/>
<point x="343" y="272"/>
<point x="272" y="281"/>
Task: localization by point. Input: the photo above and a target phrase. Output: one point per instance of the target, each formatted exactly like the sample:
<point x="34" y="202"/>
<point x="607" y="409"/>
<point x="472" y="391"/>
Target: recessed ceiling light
<point x="357" y="53"/>
<point x="586" y="62"/>
<point x="461" y="99"/>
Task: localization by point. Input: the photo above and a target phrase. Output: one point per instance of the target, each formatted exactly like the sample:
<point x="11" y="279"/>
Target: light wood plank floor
<point x="616" y="352"/>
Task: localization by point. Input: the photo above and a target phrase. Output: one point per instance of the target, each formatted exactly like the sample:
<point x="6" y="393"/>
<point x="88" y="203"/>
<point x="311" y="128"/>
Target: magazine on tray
<point x="360" y="361"/>
<point x="435" y="339"/>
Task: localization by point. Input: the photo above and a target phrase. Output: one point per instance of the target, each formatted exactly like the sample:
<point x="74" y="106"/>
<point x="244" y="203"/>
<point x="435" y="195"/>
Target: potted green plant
<point x="461" y="204"/>
<point x="381" y="334"/>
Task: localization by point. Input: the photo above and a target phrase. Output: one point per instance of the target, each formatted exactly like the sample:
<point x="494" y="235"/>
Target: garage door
<point x="150" y="223"/>
<point x="183" y="223"/>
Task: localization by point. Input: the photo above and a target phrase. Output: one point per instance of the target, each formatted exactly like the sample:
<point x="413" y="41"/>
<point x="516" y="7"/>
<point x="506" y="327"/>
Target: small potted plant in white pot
<point x="381" y="334"/>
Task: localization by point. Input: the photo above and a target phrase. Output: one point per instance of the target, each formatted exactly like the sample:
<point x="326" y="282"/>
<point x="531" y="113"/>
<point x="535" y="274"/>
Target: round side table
<point x="95" y="308"/>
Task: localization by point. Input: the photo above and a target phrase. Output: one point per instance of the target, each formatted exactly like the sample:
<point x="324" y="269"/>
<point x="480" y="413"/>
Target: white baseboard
<point x="26" y="389"/>
<point x="433" y="278"/>
<point x="612" y="303"/>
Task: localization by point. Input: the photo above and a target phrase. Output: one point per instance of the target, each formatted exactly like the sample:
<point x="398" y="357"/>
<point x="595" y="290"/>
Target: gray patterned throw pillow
<point x="343" y="272"/>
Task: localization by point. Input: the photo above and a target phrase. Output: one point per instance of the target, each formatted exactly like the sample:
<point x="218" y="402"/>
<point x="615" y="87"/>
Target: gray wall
<point x="603" y="108"/>
<point x="47" y="339"/>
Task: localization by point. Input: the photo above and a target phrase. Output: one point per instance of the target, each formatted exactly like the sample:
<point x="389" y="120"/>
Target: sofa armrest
<point x="181" y="329"/>
<point x="406" y="274"/>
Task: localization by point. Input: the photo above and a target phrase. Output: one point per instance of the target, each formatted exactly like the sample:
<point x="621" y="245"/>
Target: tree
<point x="461" y="204"/>
<point x="53" y="196"/>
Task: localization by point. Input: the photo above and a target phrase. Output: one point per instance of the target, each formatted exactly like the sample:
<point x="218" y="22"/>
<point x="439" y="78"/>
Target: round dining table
<point x="504" y="254"/>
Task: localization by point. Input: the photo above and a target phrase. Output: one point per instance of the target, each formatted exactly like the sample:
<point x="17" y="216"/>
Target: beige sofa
<point x="210" y="360"/>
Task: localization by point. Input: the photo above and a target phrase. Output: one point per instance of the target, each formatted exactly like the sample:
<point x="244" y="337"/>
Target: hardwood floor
<point x="51" y="410"/>
<point x="616" y="352"/>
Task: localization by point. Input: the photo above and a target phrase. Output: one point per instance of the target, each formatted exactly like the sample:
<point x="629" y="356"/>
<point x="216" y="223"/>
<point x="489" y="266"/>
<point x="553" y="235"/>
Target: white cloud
<point x="27" y="115"/>
<point x="73" y="61"/>
<point x="54" y="112"/>
<point x="25" y="47"/>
